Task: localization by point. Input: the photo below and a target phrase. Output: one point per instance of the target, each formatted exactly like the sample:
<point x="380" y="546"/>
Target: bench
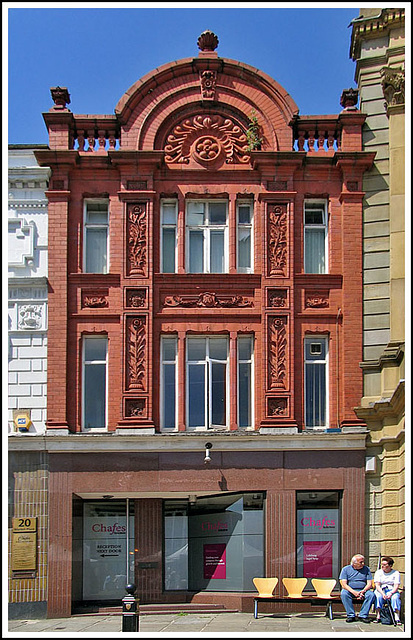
<point x="314" y="600"/>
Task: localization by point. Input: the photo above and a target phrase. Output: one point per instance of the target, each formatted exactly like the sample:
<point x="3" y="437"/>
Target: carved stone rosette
<point x="208" y="83"/>
<point x="277" y="353"/>
<point x="277" y="240"/>
<point x="136" y="353"/>
<point x="208" y="300"/>
<point x="137" y="239"/>
<point x="207" y="138"/>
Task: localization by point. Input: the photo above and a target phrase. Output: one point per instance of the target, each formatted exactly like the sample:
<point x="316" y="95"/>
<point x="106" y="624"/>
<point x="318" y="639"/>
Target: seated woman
<point x="387" y="583"/>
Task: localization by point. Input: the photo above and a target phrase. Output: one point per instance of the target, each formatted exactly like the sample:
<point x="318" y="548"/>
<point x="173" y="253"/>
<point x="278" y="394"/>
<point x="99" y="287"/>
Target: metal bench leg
<point x="255" y="608"/>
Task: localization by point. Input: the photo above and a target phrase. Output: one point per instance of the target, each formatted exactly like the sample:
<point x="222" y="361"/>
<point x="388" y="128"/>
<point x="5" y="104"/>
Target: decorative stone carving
<point x="316" y="300"/>
<point x="349" y="98"/>
<point x="136" y="298"/>
<point x="135" y="408"/>
<point x="277" y="298"/>
<point x="207" y="138"/>
<point x="277" y="407"/>
<point x="137" y="239"/>
<point x="277" y="240"/>
<point x="96" y="299"/>
<point x="207" y="299"/>
<point x="277" y="341"/>
<point x="208" y="83"/>
<point x="392" y="82"/>
<point x="208" y="41"/>
<point x="136" y="356"/>
<point x="30" y="317"/>
<point x="60" y="97"/>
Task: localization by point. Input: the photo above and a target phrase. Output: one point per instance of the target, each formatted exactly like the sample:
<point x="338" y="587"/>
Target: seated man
<point x="356" y="583"/>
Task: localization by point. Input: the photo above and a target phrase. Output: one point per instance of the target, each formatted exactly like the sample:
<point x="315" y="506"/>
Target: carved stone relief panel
<point x="316" y="299"/>
<point x="95" y="299"/>
<point x="136" y="355"/>
<point x="278" y="407"/>
<point x="135" y="408"/>
<point x="208" y="83"/>
<point x="207" y="139"/>
<point x="137" y="238"/>
<point x="277" y="298"/>
<point x="277" y="352"/>
<point x="136" y="298"/>
<point x="208" y="300"/>
<point x="277" y="239"/>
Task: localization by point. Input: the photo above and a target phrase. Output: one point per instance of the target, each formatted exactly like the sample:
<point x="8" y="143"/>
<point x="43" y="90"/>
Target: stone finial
<point x="349" y="98"/>
<point x="208" y="41"/>
<point x="60" y="97"/>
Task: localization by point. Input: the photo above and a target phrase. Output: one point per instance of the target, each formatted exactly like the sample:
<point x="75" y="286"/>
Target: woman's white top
<point x="387" y="579"/>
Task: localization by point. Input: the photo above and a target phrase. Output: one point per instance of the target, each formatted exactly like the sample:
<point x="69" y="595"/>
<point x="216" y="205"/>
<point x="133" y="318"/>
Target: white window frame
<point x="87" y="225"/>
<point x="207" y="228"/>
<point x="240" y="227"/>
<point x="90" y="363"/>
<point x="209" y="426"/>
<point x="314" y="339"/>
<point x="323" y="204"/>
<point x="162" y="382"/>
<point x="164" y="226"/>
<point x="250" y="361"/>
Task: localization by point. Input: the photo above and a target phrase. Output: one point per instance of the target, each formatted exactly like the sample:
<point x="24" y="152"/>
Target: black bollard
<point x="130" y="610"/>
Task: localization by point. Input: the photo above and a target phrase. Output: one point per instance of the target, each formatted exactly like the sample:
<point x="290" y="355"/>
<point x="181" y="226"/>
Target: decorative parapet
<point x="393" y="82"/>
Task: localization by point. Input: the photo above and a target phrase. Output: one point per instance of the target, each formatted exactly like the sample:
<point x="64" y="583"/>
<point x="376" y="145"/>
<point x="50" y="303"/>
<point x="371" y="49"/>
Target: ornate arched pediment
<point x="208" y="140"/>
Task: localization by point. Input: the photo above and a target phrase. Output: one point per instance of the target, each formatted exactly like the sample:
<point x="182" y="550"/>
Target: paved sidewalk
<point x="219" y="624"/>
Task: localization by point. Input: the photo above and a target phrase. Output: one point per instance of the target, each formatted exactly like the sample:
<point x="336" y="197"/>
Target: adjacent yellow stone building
<point x="378" y="48"/>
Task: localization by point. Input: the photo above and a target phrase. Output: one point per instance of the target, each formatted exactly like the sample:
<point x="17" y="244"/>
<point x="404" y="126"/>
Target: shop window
<point x="315" y="381"/>
<point x="96" y="237"/>
<point x="94" y="382"/>
<point x="245" y="381"/>
<point x="169" y="210"/>
<point x="244" y="219"/>
<point x="318" y="534"/>
<point x="108" y="541"/>
<point x="207" y="382"/>
<point x="315" y="237"/>
<point x="214" y="543"/>
<point x="168" y="382"/>
<point x="207" y="236"/>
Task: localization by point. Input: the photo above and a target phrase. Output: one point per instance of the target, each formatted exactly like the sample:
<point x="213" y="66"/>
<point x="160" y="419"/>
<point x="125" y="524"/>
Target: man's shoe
<point x="365" y="620"/>
<point x="353" y="619"/>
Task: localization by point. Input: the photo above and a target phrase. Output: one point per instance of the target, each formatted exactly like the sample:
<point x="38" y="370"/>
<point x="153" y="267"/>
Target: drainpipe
<point x="339" y="315"/>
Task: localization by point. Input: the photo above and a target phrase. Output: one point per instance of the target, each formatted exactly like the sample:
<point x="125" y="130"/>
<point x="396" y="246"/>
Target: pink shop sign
<point x="215" y="563"/>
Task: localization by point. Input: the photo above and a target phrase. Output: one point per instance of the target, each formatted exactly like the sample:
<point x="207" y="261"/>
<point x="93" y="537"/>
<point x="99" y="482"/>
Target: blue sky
<point x="98" y="50"/>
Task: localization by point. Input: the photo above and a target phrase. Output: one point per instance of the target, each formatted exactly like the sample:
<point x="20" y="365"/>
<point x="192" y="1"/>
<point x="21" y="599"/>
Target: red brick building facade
<point x="205" y="288"/>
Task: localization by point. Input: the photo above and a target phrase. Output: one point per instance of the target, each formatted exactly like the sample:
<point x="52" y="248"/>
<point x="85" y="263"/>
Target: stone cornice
<point x="373" y="27"/>
<point x="177" y="442"/>
<point x="392" y="407"/>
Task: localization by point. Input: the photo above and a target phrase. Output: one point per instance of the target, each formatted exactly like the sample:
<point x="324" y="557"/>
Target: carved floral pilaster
<point x="277" y="240"/>
<point x="277" y="353"/>
<point x="137" y="239"/>
<point x="136" y="354"/>
<point x="208" y="80"/>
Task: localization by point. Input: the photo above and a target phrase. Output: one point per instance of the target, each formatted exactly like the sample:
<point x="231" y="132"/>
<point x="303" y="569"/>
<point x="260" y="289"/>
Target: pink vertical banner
<point x="318" y="559"/>
<point x="215" y="563"/>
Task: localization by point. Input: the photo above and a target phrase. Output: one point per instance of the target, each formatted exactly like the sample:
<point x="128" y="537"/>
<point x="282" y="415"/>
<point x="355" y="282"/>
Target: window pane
<point x="196" y="388"/>
<point x="169" y="395"/>
<point x="244" y="214"/>
<point x="315" y="216"/>
<point x="97" y="217"/>
<point x="218" y="393"/>
<point x="218" y="348"/>
<point x="169" y="213"/>
<point x="95" y="395"/>
<point x="217" y="252"/>
<point x="244" y="248"/>
<point x="168" y="251"/>
<point x="315" y="394"/>
<point x="196" y="252"/>
<point x="169" y="348"/>
<point x="95" y="349"/>
<point x="195" y="213"/>
<point x="315" y="349"/>
<point x="196" y="349"/>
<point x="217" y="213"/>
<point x="314" y="251"/>
<point x="96" y="250"/>
<point x="244" y="394"/>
